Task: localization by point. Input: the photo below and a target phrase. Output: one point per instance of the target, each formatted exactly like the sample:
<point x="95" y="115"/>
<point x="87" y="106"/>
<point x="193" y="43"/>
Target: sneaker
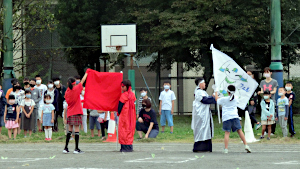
<point x="25" y="136"/>
<point x="103" y="138"/>
<point x="258" y="126"/>
<point x="247" y="148"/>
<point x="66" y="151"/>
<point x="162" y="131"/>
<point x="171" y="132"/>
<point x="71" y="139"/>
<point x="139" y="138"/>
<point x="265" y="133"/>
<point x="78" y="151"/>
<point x="262" y="137"/>
<point x="46" y="139"/>
<point x="225" y="151"/>
<point x="272" y="134"/>
<point x="49" y="139"/>
<point x="268" y="138"/>
<point x="292" y="135"/>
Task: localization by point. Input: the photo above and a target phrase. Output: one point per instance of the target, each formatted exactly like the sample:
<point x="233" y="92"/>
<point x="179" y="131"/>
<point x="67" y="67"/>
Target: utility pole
<point x="8" y="67"/>
<point x="276" y="64"/>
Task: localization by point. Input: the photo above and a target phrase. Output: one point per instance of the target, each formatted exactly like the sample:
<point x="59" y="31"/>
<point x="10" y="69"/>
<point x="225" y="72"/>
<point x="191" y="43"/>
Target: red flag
<point x="102" y="90"/>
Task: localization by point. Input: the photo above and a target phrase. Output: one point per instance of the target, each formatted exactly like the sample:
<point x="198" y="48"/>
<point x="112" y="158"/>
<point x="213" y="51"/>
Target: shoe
<point x="103" y="138"/>
<point x="71" y="139"/>
<point x="225" y="151"/>
<point x="171" y="132"/>
<point x="66" y="151"/>
<point x="78" y="151"/>
<point x="272" y="134"/>
<point x="25" y="136"/>
<point x="139" y="138"/>
<point x="292" y="135"/>
<point x="162" y="131"/>
<point x="46" y="139"/>
<point x="258" y="126"/>
<point x="49" y="139"/>
<point x="268" y="138"/>
<point x="265" y="133"/>
<point x="247" y="148"/>
<point x="262" y="137"/>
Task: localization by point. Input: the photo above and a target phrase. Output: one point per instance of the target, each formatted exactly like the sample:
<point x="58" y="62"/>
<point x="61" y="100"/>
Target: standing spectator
<point x="144" y="95"/>
<point x="93" y="121"/>
<point x="48" y="117"/>
<point x="291" y="96"/>
<point x="270" y="85"/>
<point x="19" y="96"/>
<point x="28" y="118"/>
<point x="61" y="96"/>
<point x="13" y="82"/>
<point x="2" y="109"/>
<point x="26" y="84"/>
<point x="103" y="119"/>
<point x="74" y="113"/>
<point x="42" y="88"/>
<point x="11" y="116"/>
<point x="147" y="122"/>
<point x="84" y="116"/>
<point x="166" y="107"/>
<point x="267" y="114"/>
<point x="282" y="110"/>
<point x="36" y="97"/>
<point x="54" y="97"/>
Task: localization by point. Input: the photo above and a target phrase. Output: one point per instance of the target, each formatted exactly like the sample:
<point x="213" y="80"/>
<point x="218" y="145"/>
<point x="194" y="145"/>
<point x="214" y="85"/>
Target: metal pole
<point x="8" y="45"/>
<point x="51" y="60"/>
<point x="276" y="64"/>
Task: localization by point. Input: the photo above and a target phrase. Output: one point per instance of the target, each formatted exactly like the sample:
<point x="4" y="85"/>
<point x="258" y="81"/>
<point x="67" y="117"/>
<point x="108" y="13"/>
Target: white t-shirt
<point x="42" y="88"/>
<point x="83" y="109"/>
<point x="102" y="115"/>
<point x="166" y="99"/>
<point x="229" y="108"/>
<point x="28" y="103"/>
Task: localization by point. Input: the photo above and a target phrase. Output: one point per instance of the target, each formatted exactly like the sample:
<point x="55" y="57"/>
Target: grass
<point x="182" y="134"/>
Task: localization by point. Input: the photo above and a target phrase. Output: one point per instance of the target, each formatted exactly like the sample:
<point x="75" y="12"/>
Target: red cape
<point x="102" y="90"/>
<point x="127" y="119"/>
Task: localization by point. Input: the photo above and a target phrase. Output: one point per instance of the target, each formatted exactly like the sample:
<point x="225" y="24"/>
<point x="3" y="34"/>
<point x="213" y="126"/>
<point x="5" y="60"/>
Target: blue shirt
<point x="281" y="103"/>
<point x="47" y="108"/>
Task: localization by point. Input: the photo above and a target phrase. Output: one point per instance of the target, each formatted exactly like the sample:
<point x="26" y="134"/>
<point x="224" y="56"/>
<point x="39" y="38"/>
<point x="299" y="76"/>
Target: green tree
<point x="182" y="31"/>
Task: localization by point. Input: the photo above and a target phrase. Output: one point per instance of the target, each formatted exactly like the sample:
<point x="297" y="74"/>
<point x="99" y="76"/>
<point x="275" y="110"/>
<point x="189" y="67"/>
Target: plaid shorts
<point x="75" y="120"/>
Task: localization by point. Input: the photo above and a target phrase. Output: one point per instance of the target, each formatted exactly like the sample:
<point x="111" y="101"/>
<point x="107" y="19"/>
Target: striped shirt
<point x="140" y="104"/>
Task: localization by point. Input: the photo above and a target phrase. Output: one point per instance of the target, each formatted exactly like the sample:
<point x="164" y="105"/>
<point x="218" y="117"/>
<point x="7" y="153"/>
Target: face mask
<point x="143" y="94"/>
<point x="167" y="87"/>
<point x="56" y="82"/>
<point x="267" y="75"/>
<point x="83" y="92"/>
<point x="288" y="88"/>
<point x="77" y="82"/>
<point x="26" y="83"/>
<point x="280" y="94"/>
<point x="14" y="88"/>
<point x="38" y="82"/>
<point x="48" y="101"/>
<point x="28" y="96"/>
<point x="32" y="85"/>
<point x="50" y="86"/>
<point x="266" y="97"/>
<point x="11" y="101"/>
<point x="143" y="105"/>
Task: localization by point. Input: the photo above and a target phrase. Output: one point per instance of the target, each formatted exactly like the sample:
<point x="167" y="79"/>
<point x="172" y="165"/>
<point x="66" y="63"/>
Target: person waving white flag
<point x="228" y="72"/>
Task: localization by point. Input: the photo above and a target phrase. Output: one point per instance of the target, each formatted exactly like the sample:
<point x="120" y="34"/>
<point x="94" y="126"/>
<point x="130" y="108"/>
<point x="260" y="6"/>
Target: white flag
<point x="228" y="72"/>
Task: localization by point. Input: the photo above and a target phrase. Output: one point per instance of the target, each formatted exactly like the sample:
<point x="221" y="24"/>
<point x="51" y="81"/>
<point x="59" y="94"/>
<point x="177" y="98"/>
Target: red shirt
<point x="73" y="100"/>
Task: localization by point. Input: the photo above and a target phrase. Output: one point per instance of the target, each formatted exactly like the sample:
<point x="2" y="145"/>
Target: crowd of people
<point x="272" y="112"/>
<point x="35" y="107"/>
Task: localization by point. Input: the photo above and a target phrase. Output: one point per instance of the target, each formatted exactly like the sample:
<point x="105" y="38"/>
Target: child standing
<point x="267" y="114"/>
<point x="291" y="96"/>
<point x="282" y="110"/>
<point x="103" y="119"/>
<point x="166" y="107"/>
<point x="28" y="118"/>
<point x="93" y="121"/>
<point x="11" y="116"/>
<point x="230" y="117"/>
<point x="143" y="93"/>
<point x="47" y="117"/>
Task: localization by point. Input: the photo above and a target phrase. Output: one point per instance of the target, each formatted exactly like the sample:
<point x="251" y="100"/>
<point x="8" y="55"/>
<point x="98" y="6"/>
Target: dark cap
<point x="267" y="92"/>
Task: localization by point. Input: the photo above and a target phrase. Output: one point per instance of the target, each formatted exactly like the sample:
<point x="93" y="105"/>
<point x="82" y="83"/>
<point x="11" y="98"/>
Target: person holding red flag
<point x="74" y="114"/>
<point x="126" y="113"/>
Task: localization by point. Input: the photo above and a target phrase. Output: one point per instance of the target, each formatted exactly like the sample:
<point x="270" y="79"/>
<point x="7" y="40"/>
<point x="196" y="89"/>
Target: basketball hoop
<point x="113" y="52"/>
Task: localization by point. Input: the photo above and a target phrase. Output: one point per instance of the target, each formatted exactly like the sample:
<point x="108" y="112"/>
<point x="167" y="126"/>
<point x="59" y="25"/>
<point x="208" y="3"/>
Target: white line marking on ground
<point x="22" y="160"/>
<point x="288" y="162"/>
<point x="176" y="160"/>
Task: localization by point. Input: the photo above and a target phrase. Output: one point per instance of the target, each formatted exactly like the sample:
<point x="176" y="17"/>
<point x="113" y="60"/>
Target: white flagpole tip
<point x="211" y="47"/>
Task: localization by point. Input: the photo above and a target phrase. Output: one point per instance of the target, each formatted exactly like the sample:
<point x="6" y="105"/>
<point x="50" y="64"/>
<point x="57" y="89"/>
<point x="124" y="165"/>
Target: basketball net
<point x="114" y="52"/>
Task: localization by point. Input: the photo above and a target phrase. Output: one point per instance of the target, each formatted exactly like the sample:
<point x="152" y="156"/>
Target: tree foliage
<point x="182" y="31"/>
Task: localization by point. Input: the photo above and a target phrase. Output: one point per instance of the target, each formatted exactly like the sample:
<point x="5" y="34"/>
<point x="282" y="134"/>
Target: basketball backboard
<point x="118" y="38"/>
